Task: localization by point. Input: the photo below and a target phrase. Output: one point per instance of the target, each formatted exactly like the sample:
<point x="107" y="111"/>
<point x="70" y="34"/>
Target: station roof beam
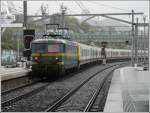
<point x="91" y="15"/>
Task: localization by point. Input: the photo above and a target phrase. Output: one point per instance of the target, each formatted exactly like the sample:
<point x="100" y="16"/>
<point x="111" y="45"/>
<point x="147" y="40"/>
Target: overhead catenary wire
<point x="82" y="5"/>
<point x="79" y="5"/>
<point x="85" y="8"/>
<point x="14" y="9"/>
<point x="104" y="5"/>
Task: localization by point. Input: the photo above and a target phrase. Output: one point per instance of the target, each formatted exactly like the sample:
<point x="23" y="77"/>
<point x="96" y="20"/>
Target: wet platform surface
<point x="129" y="91"/>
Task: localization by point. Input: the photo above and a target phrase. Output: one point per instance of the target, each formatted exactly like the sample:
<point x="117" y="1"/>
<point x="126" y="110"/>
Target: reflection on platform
<point x="129" y="91"/>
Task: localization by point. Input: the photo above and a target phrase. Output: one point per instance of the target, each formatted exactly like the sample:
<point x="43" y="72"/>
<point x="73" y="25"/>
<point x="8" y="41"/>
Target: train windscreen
<point x="53" y="48"/>
<point x="45" y="48"/>
<point x="39" y="48"/>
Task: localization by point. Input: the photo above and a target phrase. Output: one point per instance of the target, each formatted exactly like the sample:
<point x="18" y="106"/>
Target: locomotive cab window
<point x="39" y="47"/>
<point x="53" y="48"/>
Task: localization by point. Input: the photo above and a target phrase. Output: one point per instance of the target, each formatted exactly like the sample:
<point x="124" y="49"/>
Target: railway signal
<point x="103" y="52"/>
<point x="127" y="42"/>
<point x="104" y="44"/>
<point x="28" y="36"/>
<point x="27" y="41"/>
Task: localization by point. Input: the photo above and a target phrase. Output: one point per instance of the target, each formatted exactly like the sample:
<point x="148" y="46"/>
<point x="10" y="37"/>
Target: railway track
<point x="23" y="96"/>
<point x="6" y="104"/>
<point x="92" y="106"/>
<point x="59" y="102"/>
<point x="18" y="87"/>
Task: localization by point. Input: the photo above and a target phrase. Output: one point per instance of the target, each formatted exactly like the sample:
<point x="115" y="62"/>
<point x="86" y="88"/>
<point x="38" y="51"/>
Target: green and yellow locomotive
<point x="53" y="56"/>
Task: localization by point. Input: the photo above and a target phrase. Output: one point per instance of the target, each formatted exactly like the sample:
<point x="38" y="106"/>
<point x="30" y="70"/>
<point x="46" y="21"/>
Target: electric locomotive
<point x="53" y="56"/>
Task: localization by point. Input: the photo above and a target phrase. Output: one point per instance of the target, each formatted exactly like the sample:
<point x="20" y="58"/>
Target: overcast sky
<point x="92" y="6"/>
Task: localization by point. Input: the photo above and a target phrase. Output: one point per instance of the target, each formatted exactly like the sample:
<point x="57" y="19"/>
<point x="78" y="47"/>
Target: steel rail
<point x="96" y="93"/>
<point x="71" y="92"/>
<point x="17" y="98"/>
<point x="19" y="87"/>
<point x="30" y="93"/>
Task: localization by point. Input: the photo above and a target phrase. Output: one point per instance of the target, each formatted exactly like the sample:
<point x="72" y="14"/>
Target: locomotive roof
<point x="54" y="41"/>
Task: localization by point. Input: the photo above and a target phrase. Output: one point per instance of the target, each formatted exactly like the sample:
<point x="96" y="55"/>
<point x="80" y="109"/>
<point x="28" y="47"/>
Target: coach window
<point x="83" y="52"/>
<point x="86" y="52"/>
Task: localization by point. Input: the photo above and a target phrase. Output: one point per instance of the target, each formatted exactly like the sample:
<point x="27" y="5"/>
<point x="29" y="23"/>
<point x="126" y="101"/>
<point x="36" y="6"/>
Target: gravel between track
<point x="20" y="91"/>
<point x="101" y="98"/>
<point x="45" y="98"/>
<point x="10" y="84"/>
<point x="81" y="98"/>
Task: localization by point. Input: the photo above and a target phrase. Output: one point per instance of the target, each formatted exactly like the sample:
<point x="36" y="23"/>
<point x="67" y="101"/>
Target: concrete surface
<point x="10" y="73"/>
<point x="129" y="91"/>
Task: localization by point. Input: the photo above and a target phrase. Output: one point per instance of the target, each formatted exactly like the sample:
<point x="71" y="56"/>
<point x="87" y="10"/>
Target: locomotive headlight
<point x="57" y="58"/>
<point x="35" y="58"/>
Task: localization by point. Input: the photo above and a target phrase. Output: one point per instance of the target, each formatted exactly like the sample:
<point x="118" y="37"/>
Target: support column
<point x="149" y="46"/>
<point x="144" y="18"/>
<point x="0" y="47"/>
<point x="25" y="14"/>
<point x="142" y="44"/>
<point x="0" y="38"/>
<point x="63" y="9"/>
<point x="18" y="47"/>
<point x="132" y="52"/>
<point x="136" y="42"/>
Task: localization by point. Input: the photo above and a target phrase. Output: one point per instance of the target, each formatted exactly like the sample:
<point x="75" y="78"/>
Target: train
<point x="55" y="56"/>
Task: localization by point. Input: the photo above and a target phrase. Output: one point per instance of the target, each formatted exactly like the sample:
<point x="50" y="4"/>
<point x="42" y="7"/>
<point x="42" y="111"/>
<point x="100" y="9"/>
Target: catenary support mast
<point x="0" y="38"/>
<point x="25" y="14"/>
<point x="132" y="56"/>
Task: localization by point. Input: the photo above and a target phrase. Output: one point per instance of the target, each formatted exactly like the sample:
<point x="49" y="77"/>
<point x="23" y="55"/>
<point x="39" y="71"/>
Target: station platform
<point x="129" y="91"/>
<point x="11" y="73"/>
